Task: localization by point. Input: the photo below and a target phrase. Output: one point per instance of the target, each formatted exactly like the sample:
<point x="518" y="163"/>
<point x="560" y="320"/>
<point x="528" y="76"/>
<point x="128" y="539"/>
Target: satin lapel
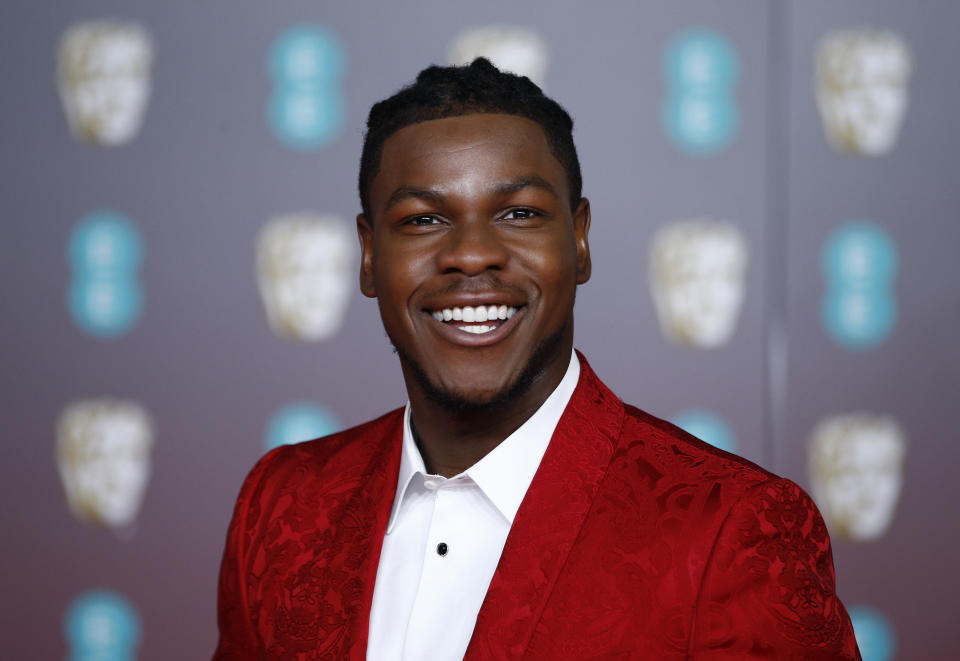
<point x="361" y="531"/>
<point x="548" y="521"/>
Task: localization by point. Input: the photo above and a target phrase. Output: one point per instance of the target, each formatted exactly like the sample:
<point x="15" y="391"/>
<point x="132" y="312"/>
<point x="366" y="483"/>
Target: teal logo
<point x="104" y="296"/>
<point x="875" y="636"/>
<point x="306" y="109"/>
<point x="859" y="263"/>
<point x="102" y="626"/>
<point x="298" y="422"/>
<point x="708" y="427"/>
<point x="700" y="113"/>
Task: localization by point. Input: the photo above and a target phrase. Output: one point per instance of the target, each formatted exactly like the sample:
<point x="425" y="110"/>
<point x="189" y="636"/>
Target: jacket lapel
<point x="548" y="521"/>
<point x="362" y="530"/>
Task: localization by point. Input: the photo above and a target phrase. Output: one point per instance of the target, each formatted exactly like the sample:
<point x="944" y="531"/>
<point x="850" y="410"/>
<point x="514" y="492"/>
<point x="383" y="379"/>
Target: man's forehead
<point x="462" y="132"/>
<point x="501" y="150"/>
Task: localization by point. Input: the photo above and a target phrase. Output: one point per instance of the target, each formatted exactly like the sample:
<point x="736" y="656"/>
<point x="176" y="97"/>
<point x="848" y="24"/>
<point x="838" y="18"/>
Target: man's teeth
<point x="478" y="329"/>
<point x="470" y="314"/>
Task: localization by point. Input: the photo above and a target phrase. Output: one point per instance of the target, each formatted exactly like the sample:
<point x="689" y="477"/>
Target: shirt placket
<point x="443" y="566"/>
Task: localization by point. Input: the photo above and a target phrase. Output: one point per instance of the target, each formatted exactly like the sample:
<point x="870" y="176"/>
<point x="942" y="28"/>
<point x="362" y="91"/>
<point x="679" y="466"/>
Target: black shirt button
<point x="442" y="548"/>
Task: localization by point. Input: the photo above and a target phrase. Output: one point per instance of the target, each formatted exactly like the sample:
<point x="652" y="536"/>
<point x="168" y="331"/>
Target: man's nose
<point x="473" y="247"/>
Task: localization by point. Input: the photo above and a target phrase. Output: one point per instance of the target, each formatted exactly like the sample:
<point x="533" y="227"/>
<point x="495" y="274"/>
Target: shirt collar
<point x="505" y="473"/>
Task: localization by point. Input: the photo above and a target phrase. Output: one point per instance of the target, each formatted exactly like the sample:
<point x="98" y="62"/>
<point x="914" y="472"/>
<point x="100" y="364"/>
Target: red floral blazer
<point x="634" y="541"/>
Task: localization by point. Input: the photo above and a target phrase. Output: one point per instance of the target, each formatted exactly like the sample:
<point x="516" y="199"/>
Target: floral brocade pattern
<point x="634" y="541"/>
<point x="297" y="576"/>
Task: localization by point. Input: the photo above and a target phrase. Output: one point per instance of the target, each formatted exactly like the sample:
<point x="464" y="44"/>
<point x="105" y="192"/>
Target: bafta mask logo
<point x="861" y="81"/>
<point x="514" y="49"/>
<point x="856" y="469"/>
<point x="697" y="274"/>
<point x="104" y="296"/>
<point x="700" y="112"/>
<point x="103" y="455"/>
<point x="708" y="427"/>
<point x="103" y="77"/>
<point x="102" y="626"/>
<point x="875" y="636"/>
<point x="859" y="308"/>
<point x="306" y="109"/>
<point x="298" y="422"/>
<point x="305" y="274"/>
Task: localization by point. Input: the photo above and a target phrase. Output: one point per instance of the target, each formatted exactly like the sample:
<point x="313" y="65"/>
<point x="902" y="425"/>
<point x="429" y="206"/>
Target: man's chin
<point x="476" y="400"/>
<point x="470" y="400"/>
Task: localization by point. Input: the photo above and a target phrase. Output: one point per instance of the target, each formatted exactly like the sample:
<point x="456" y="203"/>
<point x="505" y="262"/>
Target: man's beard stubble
<point x="456" y="403"/>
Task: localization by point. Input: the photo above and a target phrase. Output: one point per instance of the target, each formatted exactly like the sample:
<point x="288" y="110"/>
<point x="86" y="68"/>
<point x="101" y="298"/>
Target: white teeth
<point x="476" y="314"/>
<point x="477" y="330"/>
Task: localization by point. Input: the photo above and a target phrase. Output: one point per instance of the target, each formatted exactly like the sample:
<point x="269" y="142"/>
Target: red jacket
<point x="634" y="541"/>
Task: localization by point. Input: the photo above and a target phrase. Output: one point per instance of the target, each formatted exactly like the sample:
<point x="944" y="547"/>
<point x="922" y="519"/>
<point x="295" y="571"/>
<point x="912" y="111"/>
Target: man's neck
<point x="451" y="441"/>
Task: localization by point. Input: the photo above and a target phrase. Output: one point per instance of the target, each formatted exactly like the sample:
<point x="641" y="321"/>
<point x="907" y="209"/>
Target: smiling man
<point x="515" y="508"/>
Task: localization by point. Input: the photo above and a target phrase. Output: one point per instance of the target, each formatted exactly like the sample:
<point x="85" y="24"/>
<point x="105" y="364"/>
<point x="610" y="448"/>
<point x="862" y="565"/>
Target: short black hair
<point x="478" y="87"/>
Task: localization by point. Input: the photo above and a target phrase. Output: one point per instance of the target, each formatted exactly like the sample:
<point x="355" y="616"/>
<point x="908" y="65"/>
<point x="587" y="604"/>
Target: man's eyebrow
<point x="529" y="181"/>
<point x="504" y="188"/>
<point x="412" y="192"/>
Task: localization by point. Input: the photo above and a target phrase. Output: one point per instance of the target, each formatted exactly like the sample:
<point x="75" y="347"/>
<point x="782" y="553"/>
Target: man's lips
<point x="475" y="326"/>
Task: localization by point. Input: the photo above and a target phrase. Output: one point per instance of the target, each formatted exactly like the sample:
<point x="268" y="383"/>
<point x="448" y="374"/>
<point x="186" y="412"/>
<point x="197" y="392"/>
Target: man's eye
<point x="520" y="214"/>
<point x="424" y="220"/>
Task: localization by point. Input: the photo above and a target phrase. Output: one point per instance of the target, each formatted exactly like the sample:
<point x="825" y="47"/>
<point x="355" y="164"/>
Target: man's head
<point x="454" y="91"/>
<point x="474" y="235"/>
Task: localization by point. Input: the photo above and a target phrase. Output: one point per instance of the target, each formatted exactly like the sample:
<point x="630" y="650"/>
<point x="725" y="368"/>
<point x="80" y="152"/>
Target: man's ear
<point x="581" y="228"/>
<point x="365" y="232"/>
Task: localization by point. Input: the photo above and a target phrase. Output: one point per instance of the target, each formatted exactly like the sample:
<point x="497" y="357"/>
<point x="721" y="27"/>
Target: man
<point x="516" y="508"/>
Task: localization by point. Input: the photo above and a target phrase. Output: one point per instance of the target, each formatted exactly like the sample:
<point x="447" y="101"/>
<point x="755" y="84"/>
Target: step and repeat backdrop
<point x="776" y="248"/>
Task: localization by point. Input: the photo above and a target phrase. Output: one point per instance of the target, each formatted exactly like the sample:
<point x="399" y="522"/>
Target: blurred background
<point x="775" y="239"/>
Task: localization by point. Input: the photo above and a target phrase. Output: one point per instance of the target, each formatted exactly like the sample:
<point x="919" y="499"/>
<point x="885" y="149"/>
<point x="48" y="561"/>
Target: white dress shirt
<point x="445" y="536"/>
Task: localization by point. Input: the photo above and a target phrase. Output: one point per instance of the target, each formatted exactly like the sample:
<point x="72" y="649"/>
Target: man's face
<point x="474" y="212"/>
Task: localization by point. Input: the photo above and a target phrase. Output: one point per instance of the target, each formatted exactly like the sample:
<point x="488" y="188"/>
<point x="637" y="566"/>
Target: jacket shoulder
<point x="363" y="439"/>
<point x="669" y="453"/>
<point x="344" y="456"/>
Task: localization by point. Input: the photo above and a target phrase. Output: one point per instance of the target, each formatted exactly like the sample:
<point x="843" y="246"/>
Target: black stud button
<point x="442" y="548"/>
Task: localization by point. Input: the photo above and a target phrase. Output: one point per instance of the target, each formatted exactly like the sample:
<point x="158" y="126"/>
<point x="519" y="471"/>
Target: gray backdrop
<point x="206" y="173"/>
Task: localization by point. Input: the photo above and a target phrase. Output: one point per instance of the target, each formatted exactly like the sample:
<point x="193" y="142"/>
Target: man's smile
<point x="479" y="314"/>
<point x="471" y="312"/>
<point x="476" y="326"/>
